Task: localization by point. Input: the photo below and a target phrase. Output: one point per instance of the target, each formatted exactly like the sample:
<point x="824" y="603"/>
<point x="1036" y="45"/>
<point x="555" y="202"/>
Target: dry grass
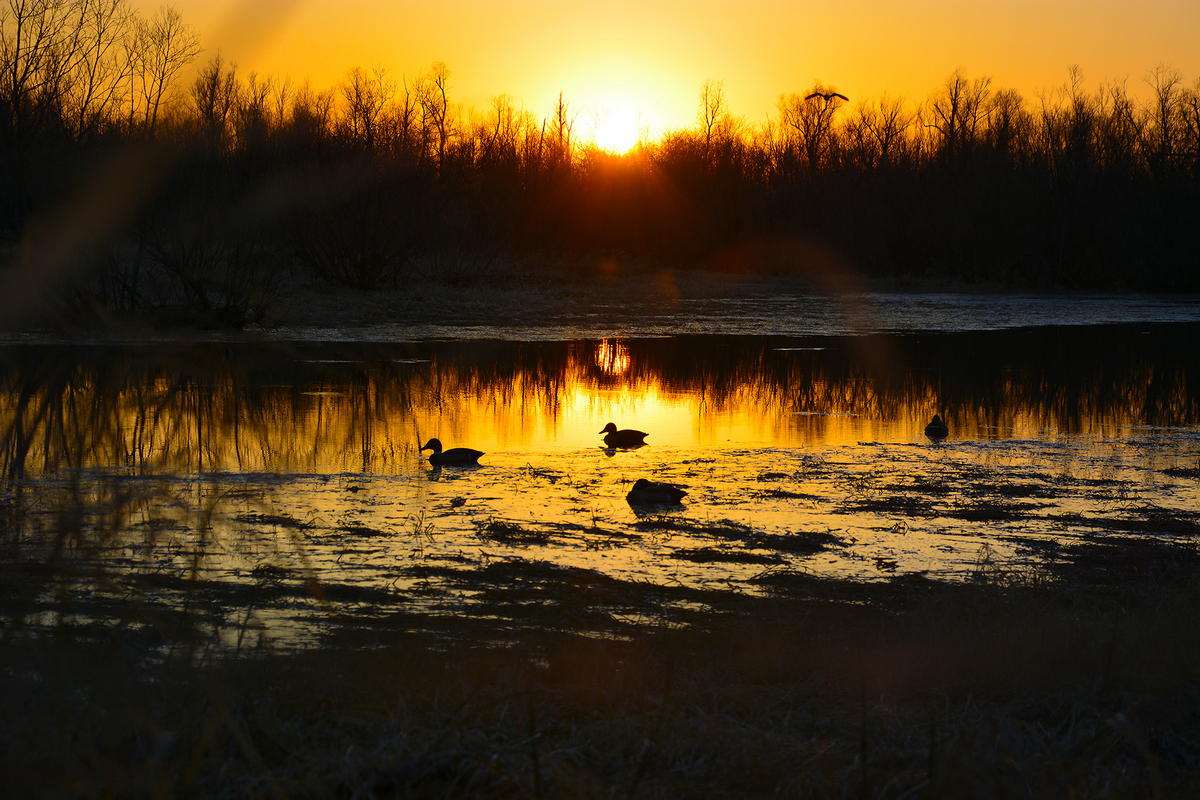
<point x="1009" y="685"/>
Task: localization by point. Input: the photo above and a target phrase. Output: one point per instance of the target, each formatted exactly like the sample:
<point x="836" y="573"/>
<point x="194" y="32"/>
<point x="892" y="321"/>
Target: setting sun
<point x="616" y="129"/>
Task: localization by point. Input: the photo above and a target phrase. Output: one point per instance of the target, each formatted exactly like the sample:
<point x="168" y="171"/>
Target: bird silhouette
<point x="623" y="438"/>
<point x="455" y="456"/>
<point x="828" y="96"/>
<point x="937" y="428"/>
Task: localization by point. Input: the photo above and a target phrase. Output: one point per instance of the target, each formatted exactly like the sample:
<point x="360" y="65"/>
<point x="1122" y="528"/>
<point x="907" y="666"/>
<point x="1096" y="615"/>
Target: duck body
<point x="649" y="493"/>
<point x="455" y="456"/>
<point x="623" y="438"/>
<point x="937" y="428"/>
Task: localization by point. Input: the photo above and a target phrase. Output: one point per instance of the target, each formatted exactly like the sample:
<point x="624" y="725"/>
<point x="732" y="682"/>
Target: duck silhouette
<point x="937" y="428"/>
<point x="654" y="493"/>
<point x="622" y="438"/>
<point x="455" y="456"/>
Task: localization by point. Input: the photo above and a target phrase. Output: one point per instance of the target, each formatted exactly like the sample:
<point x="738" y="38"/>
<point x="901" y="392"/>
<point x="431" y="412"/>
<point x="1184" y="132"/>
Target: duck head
<point x="937" y="420"/>
<point x="609" y="428"/>
<point x="433" y="444"/>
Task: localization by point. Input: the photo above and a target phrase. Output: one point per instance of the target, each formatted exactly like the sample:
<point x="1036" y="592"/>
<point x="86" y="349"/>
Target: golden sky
<point x="648" y="58"/>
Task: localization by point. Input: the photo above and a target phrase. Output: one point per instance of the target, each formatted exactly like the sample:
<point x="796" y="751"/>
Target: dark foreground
<point x="1080" y="679"/>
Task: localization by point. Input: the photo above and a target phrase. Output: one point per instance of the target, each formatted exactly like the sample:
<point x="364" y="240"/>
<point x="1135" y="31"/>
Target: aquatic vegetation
<point x="712" y="555"/>
<point x="908" y="505"/>
<point x="1145" y="520"/>
<point x="1182" y="472"/>
<point x="274" y="520"/>
<point x="510" y="532"/>
<point x="421" y="529"/>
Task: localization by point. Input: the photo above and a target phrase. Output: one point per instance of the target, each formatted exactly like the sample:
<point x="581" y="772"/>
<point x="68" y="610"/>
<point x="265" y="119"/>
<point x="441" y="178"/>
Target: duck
<point x="455" y="456"/>
<point x="623" y="438"/>
<point x="937" y="428"/>
<point x="647" y="493"/>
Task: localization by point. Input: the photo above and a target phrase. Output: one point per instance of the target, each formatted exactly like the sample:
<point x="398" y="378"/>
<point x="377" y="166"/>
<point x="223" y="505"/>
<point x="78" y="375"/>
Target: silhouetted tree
<point x="957" y="111"/>
<point x="161" y="47"/>
<point x="435" y="109"/>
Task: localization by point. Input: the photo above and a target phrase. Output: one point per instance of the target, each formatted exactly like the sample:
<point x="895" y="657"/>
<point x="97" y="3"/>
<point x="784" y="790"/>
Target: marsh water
<point x="294" y="465"/>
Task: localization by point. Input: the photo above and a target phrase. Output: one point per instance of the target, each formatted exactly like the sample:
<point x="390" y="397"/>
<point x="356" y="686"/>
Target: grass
<point x="807" y="542"/>
<point x="508" y="532"/>
<point x="1182" y="472"/>
<point x="1070" y="673"/>
<point x="1001" y="687"/>
<point x="716" y="555"/>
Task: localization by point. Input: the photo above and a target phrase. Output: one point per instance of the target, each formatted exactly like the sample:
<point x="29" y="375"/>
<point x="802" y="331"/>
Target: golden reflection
<point x="255" y="409"/>
<point x="612" y="357"/>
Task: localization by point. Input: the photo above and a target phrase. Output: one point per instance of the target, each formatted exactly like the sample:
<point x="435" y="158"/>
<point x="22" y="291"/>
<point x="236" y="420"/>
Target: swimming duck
<point x="937" y="428"/>
<point x="455" y="456"/>
<point x="624" y="438"/>
<point x="646" y="492"/>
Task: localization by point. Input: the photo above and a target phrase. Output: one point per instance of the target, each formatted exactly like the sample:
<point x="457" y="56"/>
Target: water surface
<point x="296" y="462"/>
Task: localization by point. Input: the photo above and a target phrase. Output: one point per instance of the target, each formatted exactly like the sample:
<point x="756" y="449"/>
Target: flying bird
<point x="828" y="96"/>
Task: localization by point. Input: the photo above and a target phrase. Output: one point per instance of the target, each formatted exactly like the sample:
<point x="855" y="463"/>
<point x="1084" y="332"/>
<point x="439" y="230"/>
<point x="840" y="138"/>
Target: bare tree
<point x="366" y="96"/>
<point x="501" y="134"/>
<point x="254" y="116"/>
<point x="435" y="108"/>
<point x="1190" y="123"/>
<point x="1165" y="117"/>
<point x="562" y="130"/>
<point x="215" y="96"/>
<point x="713" y="113"/>
<point x="956" y="112"/>
<point x="1119" y="131"/>
<point x="401" y="121"/>
<point x="102" y="65"/>
<point x="311" y="114"/>
<point x="885" y="124"/>
<point x="39" y="42"/>
<point x="281" y="92"/>
<point x="1007" y="121"/>
<point x="808" y="122"/>
<point x="163" y="45"/>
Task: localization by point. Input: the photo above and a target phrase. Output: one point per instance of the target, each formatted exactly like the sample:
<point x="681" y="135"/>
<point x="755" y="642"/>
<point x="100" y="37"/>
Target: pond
<point x="285" y="478"/>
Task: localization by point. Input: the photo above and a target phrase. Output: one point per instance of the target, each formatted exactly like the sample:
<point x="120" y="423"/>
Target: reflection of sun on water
<point x="612" y="357"/>
<point x="333" y="418"/>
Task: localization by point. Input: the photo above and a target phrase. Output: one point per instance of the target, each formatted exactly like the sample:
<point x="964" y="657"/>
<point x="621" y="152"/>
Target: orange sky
<point x="649" y="58"/>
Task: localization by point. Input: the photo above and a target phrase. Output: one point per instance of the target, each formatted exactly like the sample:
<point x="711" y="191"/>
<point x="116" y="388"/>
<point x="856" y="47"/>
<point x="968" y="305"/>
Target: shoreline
<point x="534" y="304"/>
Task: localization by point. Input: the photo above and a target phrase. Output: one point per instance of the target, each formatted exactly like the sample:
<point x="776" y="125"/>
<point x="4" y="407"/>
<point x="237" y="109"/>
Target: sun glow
<point x="617" y="128"/>
<point x="615" y="105"/>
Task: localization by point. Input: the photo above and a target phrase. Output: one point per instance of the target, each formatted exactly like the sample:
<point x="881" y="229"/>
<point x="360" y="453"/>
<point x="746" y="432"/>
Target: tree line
<point x="383" y="177"/>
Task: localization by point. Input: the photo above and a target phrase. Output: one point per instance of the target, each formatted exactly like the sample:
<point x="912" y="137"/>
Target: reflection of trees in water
<point x="361" y="407"/>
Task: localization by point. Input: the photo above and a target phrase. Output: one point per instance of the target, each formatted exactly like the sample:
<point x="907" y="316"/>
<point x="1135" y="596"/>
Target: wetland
<point x="259" y="503"/>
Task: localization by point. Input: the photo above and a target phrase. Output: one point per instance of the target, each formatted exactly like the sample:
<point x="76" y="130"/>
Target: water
<point x="286" y="464"/>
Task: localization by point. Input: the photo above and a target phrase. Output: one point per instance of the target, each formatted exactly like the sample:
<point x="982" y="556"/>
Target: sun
<point x="617" y="128"/>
